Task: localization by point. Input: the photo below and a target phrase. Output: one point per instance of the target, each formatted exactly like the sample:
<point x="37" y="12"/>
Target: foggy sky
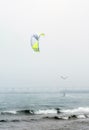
<point x="64" y="51"/>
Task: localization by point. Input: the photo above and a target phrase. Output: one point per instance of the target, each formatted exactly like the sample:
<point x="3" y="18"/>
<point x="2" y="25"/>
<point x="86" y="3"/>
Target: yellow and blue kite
<point x="35" y="41"/>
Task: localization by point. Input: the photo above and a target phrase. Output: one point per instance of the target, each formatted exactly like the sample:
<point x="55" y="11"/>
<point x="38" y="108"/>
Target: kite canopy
<point x="35" y="46"/>
<point x="42" y="34"/>
<point x="35" y="41"/>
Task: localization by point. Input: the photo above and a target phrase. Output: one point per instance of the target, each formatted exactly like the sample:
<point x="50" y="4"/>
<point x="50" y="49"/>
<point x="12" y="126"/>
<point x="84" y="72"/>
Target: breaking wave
<point x="57" y="113"/>
<point x="80" y="110"/>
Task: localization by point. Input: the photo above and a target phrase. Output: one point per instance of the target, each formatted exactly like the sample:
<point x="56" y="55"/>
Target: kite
<point x="64" y="77"/>
<point x="35" y="41"/>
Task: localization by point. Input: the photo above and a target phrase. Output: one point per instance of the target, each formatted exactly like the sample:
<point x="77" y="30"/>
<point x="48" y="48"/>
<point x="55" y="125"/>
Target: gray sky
<point x="63" y="51"/>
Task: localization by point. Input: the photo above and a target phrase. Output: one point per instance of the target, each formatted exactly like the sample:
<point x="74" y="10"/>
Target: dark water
<point x="17" y="108"/>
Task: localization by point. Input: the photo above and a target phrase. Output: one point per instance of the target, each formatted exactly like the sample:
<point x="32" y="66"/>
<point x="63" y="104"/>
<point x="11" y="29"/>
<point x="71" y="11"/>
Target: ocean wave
<point x="32" y="112"/>
<point x="8" y="112"/>
<point x="78" y="113"/>
<point x="14" y="112"/>
<point x="48" y="117"/>
<point x="67" y="117"/>
<point x="79" y="110"/>
<point x="49" y="111"/>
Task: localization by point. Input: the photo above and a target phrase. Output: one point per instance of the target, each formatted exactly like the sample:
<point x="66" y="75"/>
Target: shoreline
<point x="52" y="124"/>
<point x="46" y="124"/>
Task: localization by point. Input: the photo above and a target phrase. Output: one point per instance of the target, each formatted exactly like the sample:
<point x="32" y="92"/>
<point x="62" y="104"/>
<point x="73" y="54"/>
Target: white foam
<point x="10" y="112"/>
<point x="51" y="111"/>
<point x="65" y="118"/>
<point x="83" y="110"/>
<point x="81" y="117"/>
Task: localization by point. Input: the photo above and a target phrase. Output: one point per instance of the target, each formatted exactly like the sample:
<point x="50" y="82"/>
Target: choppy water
<point x="25" y="107"/>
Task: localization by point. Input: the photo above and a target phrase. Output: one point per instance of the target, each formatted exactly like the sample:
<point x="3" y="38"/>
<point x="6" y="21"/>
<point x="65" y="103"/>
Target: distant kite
<point x="35" y="42"/>
<point x="64" y="77"/>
